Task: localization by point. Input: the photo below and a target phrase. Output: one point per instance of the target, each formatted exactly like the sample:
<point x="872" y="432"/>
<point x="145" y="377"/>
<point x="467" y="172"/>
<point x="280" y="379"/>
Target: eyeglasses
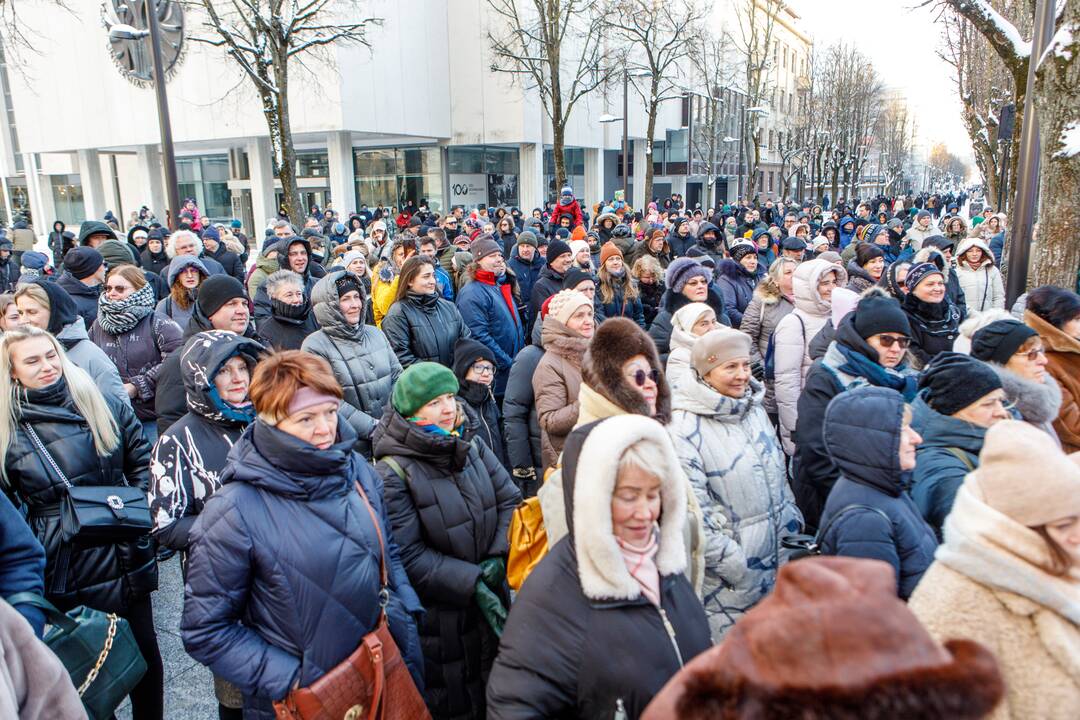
<point x="887" y="341"/>
<point x="484" y="369"/>
<point x="640" y="376"/>
<point x="1033" y="355"/>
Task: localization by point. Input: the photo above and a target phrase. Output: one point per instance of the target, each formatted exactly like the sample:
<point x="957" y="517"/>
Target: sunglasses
<point x="640" y="376"/>
<point x="887" y="341"/>
<point x="1033" y="355"/>
<point x="116" y="288"/>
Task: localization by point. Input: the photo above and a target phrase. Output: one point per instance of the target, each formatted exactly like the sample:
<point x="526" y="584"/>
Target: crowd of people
<point x="573" y="463"/>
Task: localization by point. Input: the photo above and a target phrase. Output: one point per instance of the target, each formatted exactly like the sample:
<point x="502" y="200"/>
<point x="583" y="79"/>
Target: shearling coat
<point x="765" y="311"/>
<point x="555" y="386"/>
<point x="728" y="449"/>
<point x="792" y="341"/>
<point x="1063" y="363"/>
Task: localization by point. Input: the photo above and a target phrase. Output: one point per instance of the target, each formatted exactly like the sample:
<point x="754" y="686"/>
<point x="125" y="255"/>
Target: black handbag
<point x="98" y="512"/>
<point x="810" y="545"/>
<point x="97" y="649"/>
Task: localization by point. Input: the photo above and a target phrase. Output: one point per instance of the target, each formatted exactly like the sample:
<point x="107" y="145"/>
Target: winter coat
<point x="618" y="307"/>
<point x="482" y="419"/>
<point x="383" y="291"/>
<point x="288" y="326"/>
<point x="556" y="383"/>
<point x="312" y="274"/>
<point x="485" y="308"/>
<point x="737" y="286"/>
<point x="792" y="339"/>
<point x="450" y="511"/>
<point x="987" y="585"/>
<point x="728" y="449"/>
<point x="916" y="235"/>
<point x="997" y="247"/>
<point x="549" y="283"/>
<point x="651" y="296"/>
<point x="85" y="354"/>
<point x="861" y="436"/>
<point x="138" y="354"/>
<point x="154" y="262"/>
<point x="527" y="274"/>
<point x="660" y="330"/>
<point x="858" y="279"/>
<point x="940" y="472"/>
<point x="22" y="236"/>
<point x="34" y="684"/>
<point x="360" y="356"/>
<point x="22" y="562"/>
<point x="679" y="244"/>
<point x="982" y="286"/>
<point x="283" y="570"/>
<point x="228" y="260"/>
<point x="934" y="327"/>
<point x="264" y="268"/>
<point x="641" y="249"/>
<point x="424" y="328"/>
<point x="111" y="575"/>
<point x="1063" y="364"/>
<point x="190" y="456"/>
<point x="1038" y="403"/>
<point x="522" y="429"/>
<point x="9" y="274"/>
<point x="85" y="297"/>
<point x="580" y="609"/>
<point x="759" y="321"/>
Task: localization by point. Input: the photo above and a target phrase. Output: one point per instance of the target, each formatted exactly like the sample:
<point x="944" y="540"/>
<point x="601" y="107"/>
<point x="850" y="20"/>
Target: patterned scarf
<point x="641" y="563"/>
<point x="120" y="316"/>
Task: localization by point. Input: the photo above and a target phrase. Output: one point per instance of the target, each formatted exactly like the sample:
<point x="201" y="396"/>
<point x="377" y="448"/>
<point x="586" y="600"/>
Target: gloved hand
<point x="493" y="572"/>
<point x="491" y="607"/>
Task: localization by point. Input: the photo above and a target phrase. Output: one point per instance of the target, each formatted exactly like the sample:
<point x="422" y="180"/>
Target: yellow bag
<point x="528" y="542"/>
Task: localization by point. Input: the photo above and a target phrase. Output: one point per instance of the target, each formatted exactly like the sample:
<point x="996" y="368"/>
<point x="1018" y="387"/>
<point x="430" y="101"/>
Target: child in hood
<point x="567" y="206"/>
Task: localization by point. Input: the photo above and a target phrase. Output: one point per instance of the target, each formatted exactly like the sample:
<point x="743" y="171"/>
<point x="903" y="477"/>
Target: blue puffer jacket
<point x="939" y="472"/>
<point x="862" y="434"/>
<point x="737" y="286"/>
<point x="283" y="571"/>
<point x="845" y="236"/>
<point x="488" y="316"/>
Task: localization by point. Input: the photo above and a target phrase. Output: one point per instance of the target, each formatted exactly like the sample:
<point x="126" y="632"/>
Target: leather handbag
<point x="97" y="512"/>
<point x="373" y="683"/>
<point x="97" y="649"/>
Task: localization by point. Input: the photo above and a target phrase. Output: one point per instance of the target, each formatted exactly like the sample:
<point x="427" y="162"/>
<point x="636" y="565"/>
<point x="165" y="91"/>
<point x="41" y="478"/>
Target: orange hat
<point x="609" y="249"/>
<point x="578" y="233"/>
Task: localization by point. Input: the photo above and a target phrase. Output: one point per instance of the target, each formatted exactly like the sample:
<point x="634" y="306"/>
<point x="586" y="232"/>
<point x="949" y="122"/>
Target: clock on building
<point x="126" y="23"/>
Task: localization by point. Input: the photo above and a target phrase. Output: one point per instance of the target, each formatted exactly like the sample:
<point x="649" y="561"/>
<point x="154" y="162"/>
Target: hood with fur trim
<point x="614" y="343"/>
<point x="601" y="567"/>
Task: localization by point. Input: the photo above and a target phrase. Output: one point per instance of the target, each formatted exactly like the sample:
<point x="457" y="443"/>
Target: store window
<point x="206" y="180"/>
<point x="391" y="176"/>
<point x="313" y="164"/>
<point x="658" y="150"/>
<point x="574" y="162"/>
<point x="68" y="198"/>
<point x="677" y="151"/>
<point x="483" y="174"/>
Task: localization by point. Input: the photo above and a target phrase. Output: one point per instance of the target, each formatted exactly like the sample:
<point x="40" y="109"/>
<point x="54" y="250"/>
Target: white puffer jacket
<point x="792" y="340"/>
<point x="982" y="286"/>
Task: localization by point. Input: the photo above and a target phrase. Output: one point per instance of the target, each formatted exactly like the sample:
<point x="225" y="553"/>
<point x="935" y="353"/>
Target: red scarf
<point x="488" y="278"/>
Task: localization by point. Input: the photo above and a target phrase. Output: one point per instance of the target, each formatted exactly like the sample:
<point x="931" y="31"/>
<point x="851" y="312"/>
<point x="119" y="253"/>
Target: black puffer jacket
<point x="934" y="327"/>
<point x="288" y="326"/>
<point x="521" y="428"/>
<point x="549" y="283"/>
<point x="478" y="400"/>
<point x="424" y="328"/>
<point x="108" y="576"/>
<point x="155" y="262"/>
<point x="451" y="513"/>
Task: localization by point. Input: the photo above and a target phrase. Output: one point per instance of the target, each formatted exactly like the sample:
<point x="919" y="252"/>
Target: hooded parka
<point x="660" y="330"/>
<point x="982" y="286"/>
<point x="737" y="286"/>
<point x="763" y="314"/>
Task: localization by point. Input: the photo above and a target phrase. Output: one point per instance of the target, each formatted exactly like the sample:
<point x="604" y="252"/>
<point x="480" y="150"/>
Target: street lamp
<point x="168" y="157"/>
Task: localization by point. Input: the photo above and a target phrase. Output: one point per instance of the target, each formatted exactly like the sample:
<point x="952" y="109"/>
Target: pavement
<point x="189" y="686"/>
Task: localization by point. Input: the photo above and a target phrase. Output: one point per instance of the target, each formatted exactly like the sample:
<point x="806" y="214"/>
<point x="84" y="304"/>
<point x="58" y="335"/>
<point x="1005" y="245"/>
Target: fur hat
<point x="832" y="641"/>
<point x="615" y="341"/>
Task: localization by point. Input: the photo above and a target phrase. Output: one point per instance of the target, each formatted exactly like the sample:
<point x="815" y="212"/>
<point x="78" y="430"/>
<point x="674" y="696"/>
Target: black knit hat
<point x="466" y="352"/>
<point x="555" y="249"/>
<point x="954" y="380"/>
<point x="999" y="341"/>
<point x="741" y="249"/>
<point x="82" y="261"/>
<point x="865" y="252"/>
<point x="217" y="290"/>
<point x="878" y="313"/>
<point x="574" y="277"/>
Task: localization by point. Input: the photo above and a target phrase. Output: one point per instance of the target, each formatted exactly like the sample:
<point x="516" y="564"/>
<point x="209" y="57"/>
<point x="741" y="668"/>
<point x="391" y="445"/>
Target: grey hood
<point x="325" y="300"/>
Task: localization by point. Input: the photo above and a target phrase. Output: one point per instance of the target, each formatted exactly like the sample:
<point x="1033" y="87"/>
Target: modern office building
<point x="419" y="115"/>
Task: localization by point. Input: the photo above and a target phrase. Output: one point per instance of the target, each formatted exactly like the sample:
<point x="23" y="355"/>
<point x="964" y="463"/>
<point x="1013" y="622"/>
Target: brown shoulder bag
<point x="373" y="683"/>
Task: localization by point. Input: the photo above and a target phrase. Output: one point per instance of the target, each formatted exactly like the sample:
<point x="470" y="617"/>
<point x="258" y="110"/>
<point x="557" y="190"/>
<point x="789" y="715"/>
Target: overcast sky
<point x="903" y="43"/>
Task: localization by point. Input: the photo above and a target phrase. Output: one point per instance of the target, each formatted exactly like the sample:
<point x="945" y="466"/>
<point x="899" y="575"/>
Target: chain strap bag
<point x="97" y="649"/>
<point x="97" y="512"/>
<point x="373" y="683"/>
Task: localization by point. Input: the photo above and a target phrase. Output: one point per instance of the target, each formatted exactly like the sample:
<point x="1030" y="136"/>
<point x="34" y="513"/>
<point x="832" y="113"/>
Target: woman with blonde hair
<point x="9" y="312"/>
<point x="58" y="431"/>
<point x="616" y="296"/>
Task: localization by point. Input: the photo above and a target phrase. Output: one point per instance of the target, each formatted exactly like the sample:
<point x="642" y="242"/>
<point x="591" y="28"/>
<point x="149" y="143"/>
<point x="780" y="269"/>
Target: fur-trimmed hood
<point x="601" y="568"/>
<point x="804" y="285"/>
<point x="1037" y="403"/>
<point x="616" y="341"/>
<point x="768" y="292"/>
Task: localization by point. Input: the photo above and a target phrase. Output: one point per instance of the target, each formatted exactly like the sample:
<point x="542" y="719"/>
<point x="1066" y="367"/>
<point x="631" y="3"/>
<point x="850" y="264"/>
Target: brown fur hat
<point x="616" y="341"/>
<point x="833" y="642"/>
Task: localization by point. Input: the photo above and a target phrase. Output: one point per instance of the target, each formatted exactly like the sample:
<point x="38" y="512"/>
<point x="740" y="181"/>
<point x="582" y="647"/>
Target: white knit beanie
<point x="564" y="303"/>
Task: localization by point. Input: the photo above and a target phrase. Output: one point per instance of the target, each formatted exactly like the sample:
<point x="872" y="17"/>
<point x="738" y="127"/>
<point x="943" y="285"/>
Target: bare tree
<point x="895" y="139"/>
<point x="710" y="139"/>
<point x="656" y="35"/>
<point x="555" y="46"/>
<point x="264" y="38"/>
<point x="756" y="20"/>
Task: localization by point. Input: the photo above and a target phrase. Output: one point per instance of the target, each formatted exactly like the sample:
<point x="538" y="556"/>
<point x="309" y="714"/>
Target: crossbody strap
<point x="962" y="457"/>
<point x="384" y="593"/>
<point x="45" y="453"/>
<point x="828" y="526"/>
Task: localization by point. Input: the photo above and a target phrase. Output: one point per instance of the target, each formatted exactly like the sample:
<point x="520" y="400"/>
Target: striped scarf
<point x="120" y="316"/>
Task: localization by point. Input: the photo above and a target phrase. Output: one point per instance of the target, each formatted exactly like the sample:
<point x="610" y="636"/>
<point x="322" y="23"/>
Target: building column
<point x="640" y="158"/>
<point x="531" y="179"/>
<point x="151" y="178"/>
<point x="93" y="186"/>
<point x="261" y="172"/>
<point x="39" y="187"/>
<point x="593" y="192"/>
<point x="342" y="176"/>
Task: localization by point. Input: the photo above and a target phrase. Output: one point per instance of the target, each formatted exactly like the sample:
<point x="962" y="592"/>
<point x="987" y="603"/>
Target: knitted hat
<point x="820" y="241"/>
<point x="527" y="237"/>
<point x="609" y="250"/>
<point x="741" y="249"/>
<point x="953" y="381"/>
<point x="82" y="261"/>
<point x="999" y="341"/>
<point x="562" y="234"/>
<point x="556" y="249"/>
<point x="115" y="252"/>
<point x="217" y="290"/>
<point x="1008" y="452"/>
<point x="34" y="260"/>
<point x="577" y="246"/>
<point x="352" y="255"/>
<point x="483" y="247"/>
<point x="700" y="256"/>
<point x="466" y="352"/>
<point x="680" y="271"/>
<point x="421" y="383"/>
<point x="922" y="214"/>
<point x="861" y="652"/>
<point x="236" y="224"/>
<point x="578" y="233"/>
<point x="212" y="233"/>
<point x="718" y="346"/>
<point x="565" y="303"/>
<point x="920" y="272"/>
<point x="574" y="277"/>
<point x="879" y="313"/>
<point x="685" y="317"/>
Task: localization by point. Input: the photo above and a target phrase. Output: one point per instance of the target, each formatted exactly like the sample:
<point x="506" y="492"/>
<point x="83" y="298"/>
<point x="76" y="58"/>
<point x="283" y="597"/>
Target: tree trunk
<point x="276" y="110"/>
<point x="1057" y="100"/>
<point x="644" y="201"/>
<point x="558" y="122"/>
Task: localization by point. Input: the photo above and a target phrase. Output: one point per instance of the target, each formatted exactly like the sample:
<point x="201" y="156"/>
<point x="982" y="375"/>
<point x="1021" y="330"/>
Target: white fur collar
<point x="601" y="567"/>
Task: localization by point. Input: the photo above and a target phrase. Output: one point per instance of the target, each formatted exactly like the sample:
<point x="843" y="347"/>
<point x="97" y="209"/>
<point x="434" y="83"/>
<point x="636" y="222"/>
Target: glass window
<point x="574" y="163"/>
<point x="658" y="149"/>
<point x="676" y="151"/>
<point x="312" y="164"/>
<point x="466" y="160"/>
<point x="389" y="176"/>
<point x="68" y="198"/>
<point x="206" y="180"/>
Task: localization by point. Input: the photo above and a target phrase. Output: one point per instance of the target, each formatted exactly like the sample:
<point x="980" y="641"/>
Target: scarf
<point x="120" y="316"/>
<point x="641" y="562"/>
<point x="857" y="364"/>
<point x="433" y="429"/>
<point x="488" y="278"/>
